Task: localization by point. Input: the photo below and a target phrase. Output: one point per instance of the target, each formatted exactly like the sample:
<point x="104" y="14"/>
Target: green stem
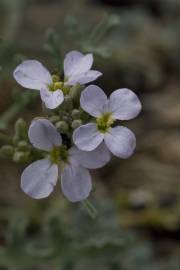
<point x="89" y="207"/>
<point x="102" y="29"/>
<point x="99" y="30"/>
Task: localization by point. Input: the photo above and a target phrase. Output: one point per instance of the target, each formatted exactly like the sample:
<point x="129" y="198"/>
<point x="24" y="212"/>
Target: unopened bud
<point x="65" y="118"/>
<point x="76" y="123"/>
<point x="75" y="93"/>
<point x="21" y="129"/>
<point x="22" y="145"/>
<point x="54" y="119"/>
<point x="7" y="151"/>
<point x="76" y="114"/>
<point x="62" y="127"/>
<point x="20" y="157"/>
<point x="68" y="104"/>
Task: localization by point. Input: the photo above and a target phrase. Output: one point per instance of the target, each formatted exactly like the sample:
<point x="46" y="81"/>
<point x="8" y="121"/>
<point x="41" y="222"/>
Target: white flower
<point x="40" y="177"/>
<point x="122" y="104"/>
<point x="33" y="75"/>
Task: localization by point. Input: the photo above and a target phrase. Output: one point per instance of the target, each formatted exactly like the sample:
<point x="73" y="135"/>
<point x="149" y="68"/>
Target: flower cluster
<point x="80" y="129"/>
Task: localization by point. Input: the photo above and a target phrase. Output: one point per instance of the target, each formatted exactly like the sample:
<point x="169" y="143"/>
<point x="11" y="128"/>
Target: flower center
<point x="104" y="122"/>
<point x="57" y="84"/>
<point x="59" y="154"/>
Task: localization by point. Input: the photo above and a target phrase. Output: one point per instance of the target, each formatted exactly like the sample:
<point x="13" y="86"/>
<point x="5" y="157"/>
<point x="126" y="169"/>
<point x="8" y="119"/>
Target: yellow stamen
<point x="104" y="122"/>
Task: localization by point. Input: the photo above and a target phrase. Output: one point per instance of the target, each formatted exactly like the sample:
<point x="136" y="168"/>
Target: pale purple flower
<point x="122" y="104"/>
<point x="39" y="178"/>
<point x="77" y="69"/>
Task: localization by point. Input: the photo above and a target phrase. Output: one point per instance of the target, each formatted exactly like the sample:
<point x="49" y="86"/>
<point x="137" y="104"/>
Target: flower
<point x="122" y="104"/>
<point x="40" y="177"/>
<point x="77" y="69"/>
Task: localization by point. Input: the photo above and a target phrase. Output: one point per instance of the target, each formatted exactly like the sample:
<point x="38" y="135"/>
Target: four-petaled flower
<point x="77" y="69"/>
<point x="122" y="104"/>
<point x="40" y="177"/>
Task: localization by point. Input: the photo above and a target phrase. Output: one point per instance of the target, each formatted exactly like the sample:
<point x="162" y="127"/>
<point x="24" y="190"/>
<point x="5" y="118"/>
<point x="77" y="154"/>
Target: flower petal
<point x="32" y="74"/>
<point x="84" y="77"/>
<point x="76" y="63"/>
<point x="76" y="183"/>
<point x="93" y="100"/>
<point x="91" y="159"/>
<point x="52" y="99"/>
<point x="121" y="141"/>
<point x="87" y="137"/>
<point x="43" y="135"/>
<point x="70" y="61"/>
<point x="39" y="178"/>
<point x="124" y="104"/>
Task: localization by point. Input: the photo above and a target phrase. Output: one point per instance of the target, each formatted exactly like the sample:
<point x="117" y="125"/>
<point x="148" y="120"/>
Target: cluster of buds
<point x="79" y="131"/>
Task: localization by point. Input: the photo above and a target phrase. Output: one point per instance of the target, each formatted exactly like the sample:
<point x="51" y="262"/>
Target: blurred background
<point x="136" y="44"/>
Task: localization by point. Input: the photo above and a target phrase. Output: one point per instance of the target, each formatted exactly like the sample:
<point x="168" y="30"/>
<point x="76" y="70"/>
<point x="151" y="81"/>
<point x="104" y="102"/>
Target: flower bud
<point x="76" y="114"/>
<point x="54" y="119"/>
<point x="22" y="145"/>
<point x="62" y="127"/>
<point x="68" y="104"/>
<point x="76" y="123"/>
<point x="76" y="90"/>
<point x="7" y="151"/>
<point x="21" y="129"/>
<point x="20" y="157"/>
<point x="65" y="118"/>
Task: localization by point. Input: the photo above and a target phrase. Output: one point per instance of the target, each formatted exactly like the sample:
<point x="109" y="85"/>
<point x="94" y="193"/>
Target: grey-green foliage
<point x="13" y="11"/>
<point x="84" y="37"/>
<point x="64" y="237"/>
<point x="93" y="38"/>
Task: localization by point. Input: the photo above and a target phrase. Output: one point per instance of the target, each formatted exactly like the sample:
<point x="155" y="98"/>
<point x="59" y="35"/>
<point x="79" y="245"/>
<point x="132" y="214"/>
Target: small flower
<point x="40" y="177"/>
<point x="77" y="68"/>
<point x="122" y="104"/>
<point x="33" y="75"/>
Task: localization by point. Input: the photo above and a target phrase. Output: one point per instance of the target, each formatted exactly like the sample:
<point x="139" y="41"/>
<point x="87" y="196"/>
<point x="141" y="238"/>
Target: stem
<point x="98" y="30"/>
<point x="89" y="207"/>
<point x="102" y="29"/>
<point x="9" y="115"/>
